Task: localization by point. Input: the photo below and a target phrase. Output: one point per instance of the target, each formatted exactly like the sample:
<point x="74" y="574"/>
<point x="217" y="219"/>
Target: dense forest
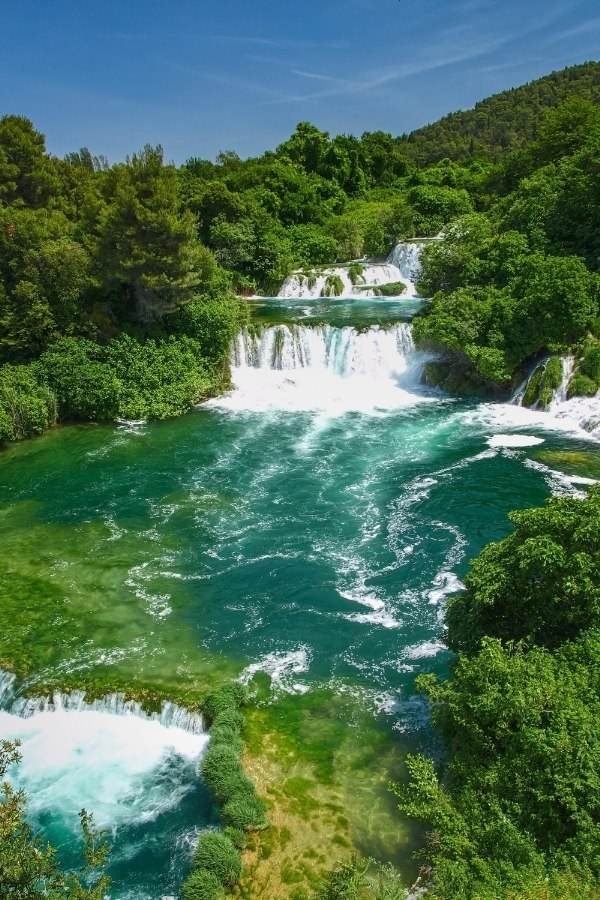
<point x="121" y="287"/>
<point x="503" y="122"/>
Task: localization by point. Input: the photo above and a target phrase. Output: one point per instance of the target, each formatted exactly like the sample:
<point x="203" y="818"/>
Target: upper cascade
<point x="361" y="278"/>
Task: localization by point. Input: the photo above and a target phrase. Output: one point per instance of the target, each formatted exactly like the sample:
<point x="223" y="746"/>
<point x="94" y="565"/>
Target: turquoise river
<point x="302" y="533"/>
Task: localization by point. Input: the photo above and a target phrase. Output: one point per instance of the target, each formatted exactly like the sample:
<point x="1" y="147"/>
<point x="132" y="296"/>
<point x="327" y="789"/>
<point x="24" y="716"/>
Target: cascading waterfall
<point x="134" y="771"/>
<point x="402" y="266"/>
<point x="325" y="368"/>
<point x="576" y="412"/>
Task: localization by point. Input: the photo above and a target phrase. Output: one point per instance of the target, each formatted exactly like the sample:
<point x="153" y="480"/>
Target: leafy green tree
<point x="28" y="866"/>
<point x="27" y="175"/>
<point x="553" y="554"/>
<point x="149" y="255"/>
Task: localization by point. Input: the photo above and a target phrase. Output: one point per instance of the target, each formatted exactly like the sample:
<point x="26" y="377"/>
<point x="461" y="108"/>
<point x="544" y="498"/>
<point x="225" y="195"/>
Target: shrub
<point x="333" y="287"/>
<point x="391" y="289"/>
<point x="26" y="406"/>
<point x="582" y="386"/>
<point x="202" y="885"/>
<point x="246" y="813"/>
<point x="533" y="387"/>
<point x="216" y="853"/>
<point x="355" y="273"/>
<point x="230" y="718"/>
<point x="590" y="364"/>
<point x="236" y="836"/>
<point x="227" y="697"/>
<point x="223" y="773"/>
<point x="224" y="734"/>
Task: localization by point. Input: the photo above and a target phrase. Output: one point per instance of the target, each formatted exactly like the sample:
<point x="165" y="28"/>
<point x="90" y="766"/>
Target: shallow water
<point x="309" y="525"/>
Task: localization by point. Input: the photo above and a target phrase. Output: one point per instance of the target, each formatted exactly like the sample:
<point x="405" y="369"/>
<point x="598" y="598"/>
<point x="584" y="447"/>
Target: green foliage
<point x="202" y="885"/>
<point x="333" y="287"/>
<point x="245" y="811"/>
<point x="361" y="879"/>
<point x="229" y="718"/>
<point x="149" y="255"/>
<point x="224" y="734"/>
<point x="355" y="273"/>
<point x="216" y="853"/>
<point x="551" y="554"/>
<point x="28" y="866"/>
<point x="581" y="386"/>
<point x="225" y="699"/>
<point x="520" y="797"/>
<point x="26" y="406"/>
<point x="503" y="122"/>
<point x="391" y="289"/>
<point x="125" y="378"/>
<point x="590" y="364"/>
<point x="223" y="772"/>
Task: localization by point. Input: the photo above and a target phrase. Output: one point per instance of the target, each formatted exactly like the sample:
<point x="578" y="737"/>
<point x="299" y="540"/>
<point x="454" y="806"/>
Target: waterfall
<point x="576" y="412"/>
<point x="170" y="715"/>
<point x="336" y="370"/>
<point x="360" y="278"/>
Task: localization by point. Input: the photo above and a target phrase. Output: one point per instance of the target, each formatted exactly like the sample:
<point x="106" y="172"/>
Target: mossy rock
<point x="581" y="386"/>
<point x="533" y="387"/>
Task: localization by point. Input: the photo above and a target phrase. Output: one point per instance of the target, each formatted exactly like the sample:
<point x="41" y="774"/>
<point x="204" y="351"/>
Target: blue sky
<point x="202" y="77"/>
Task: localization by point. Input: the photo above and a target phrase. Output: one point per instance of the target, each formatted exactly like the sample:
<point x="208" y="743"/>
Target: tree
<point x="28" y="866"/>
<point x="149" y="255"/>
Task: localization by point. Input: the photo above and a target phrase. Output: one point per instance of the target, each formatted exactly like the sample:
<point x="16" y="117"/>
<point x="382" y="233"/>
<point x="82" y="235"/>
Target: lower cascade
<point x="325" y="368"/>
<point x="134" y="771"/>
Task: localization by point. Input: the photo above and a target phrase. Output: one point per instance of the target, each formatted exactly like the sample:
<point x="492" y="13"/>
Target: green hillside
<point x="504" y="121"/>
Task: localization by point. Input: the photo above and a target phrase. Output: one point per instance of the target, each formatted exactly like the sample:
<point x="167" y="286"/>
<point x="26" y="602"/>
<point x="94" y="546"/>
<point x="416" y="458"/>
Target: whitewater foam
<point x="324" y="369"/>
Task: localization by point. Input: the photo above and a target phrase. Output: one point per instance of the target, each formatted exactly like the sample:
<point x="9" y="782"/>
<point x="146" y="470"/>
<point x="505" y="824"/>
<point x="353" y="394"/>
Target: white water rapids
<point x="127" y="767"/>
<point x="402" y="265"/>
<point x="325" y="369"/>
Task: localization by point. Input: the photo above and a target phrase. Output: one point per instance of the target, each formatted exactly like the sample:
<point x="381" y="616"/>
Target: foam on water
<point x="124" y="769"/>
<point x="325" y="369"/>
<point x="282" y="668"/>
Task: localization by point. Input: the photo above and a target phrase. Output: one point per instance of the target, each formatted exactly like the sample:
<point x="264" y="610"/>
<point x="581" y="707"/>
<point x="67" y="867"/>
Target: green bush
<point x="217" y="854"/>
<point x="26" y="406"/>
<point x="248" y="813"/>
<point x="202" y="885"/>
<point x="222" y="771"/>
<point x="355" y="273"/>
<point x="86" y="387"/>
<point x="224" y="734"/>
<point x="553" y="373"/>
<point x="333" y="287"/>
<point x="392" y="289"/>
<point x="581" y="386"/>
<point x="227" y="697"/>
<point x="236" y="836"/>
<point x="590" y="364"/>
<point x="230" y="718"/>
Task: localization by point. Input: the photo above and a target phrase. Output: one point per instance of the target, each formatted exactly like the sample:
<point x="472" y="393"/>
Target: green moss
<point x="553" y="373"/>
<point x="333" y="287"/>
<point x="581" y="386"/>
<point x="227" y="698"/>
<point x="246" y="812"/>
<point x="216" y="853"/>
<point x="533" y="386"/>
<point x="391" y="289"/>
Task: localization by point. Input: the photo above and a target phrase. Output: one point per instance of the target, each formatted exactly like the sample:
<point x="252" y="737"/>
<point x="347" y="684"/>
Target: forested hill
<point x="502" y="122"/>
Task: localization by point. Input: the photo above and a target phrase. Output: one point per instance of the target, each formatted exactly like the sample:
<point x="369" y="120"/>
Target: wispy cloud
<point x="279" y="42"/>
